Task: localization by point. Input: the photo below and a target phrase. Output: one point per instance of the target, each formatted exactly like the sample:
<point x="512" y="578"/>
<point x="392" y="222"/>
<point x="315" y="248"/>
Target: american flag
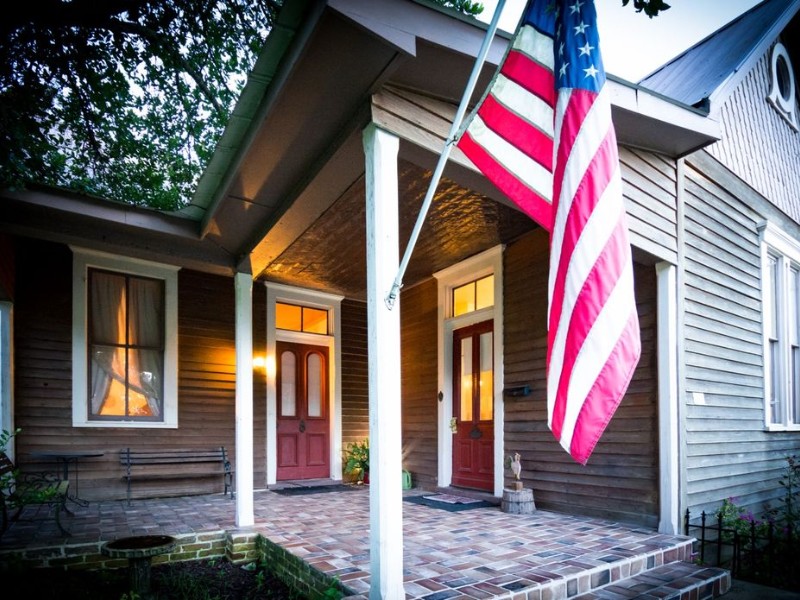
<point x="551" y="148"/>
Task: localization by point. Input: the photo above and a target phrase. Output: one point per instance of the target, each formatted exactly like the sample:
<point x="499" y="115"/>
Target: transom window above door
<point x="472" y="296"/>
<point x="292" y="317"/>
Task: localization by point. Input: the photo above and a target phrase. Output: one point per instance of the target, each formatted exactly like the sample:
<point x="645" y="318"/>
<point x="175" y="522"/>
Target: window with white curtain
<point x="781" y="308"/>
<point x="126" y="346"/>
<point x="124" y="342"/>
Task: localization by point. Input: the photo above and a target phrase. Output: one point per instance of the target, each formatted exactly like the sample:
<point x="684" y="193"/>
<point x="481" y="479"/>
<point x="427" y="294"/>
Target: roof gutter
<point x="294" y="25"/>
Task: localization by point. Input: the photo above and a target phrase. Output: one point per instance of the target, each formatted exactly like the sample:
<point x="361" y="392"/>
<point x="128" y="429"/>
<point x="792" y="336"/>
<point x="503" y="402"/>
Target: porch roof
<point x="283" y="194"/>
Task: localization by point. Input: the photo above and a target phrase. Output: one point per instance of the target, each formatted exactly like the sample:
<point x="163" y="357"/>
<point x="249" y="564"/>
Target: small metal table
<point x="139" y="550"/>
<point x="65" y="457"/>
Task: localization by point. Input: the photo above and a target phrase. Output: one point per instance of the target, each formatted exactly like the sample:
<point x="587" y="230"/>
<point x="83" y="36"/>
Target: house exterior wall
<point x="750" y="176"/>
<point x="649" y="189"/>
<point x="43" y="407"/>
<point x="418" y="342"/>
<point x="757" y="144"/>
<point x="6" y="268"/>
<point x="355" y="392"/>
<point x="729" y="452"/>
<point x="621" y="479"/>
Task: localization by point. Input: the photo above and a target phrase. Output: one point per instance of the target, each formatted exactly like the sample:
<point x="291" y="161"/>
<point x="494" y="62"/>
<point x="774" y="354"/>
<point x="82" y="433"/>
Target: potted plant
<point x="357" y="460"/>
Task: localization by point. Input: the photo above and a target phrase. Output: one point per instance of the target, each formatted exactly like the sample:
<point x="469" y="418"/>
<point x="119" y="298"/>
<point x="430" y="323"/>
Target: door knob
<point x="302" y="426"/>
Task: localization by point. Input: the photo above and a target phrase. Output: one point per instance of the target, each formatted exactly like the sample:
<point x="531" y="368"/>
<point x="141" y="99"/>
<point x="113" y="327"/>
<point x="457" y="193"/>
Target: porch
<point x="474" y="553"/>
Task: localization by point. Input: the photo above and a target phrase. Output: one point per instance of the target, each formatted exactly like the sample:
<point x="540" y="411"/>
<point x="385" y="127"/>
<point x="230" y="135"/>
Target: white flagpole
<point x="445" y="155"/>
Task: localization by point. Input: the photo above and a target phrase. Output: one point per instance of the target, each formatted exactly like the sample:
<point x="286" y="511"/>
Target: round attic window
<point x="782" y="93"/>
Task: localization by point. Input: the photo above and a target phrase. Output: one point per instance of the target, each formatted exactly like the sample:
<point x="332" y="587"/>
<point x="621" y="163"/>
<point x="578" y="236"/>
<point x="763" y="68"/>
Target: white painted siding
<point x="728" y="451"/>
<point x="758" y="144"/>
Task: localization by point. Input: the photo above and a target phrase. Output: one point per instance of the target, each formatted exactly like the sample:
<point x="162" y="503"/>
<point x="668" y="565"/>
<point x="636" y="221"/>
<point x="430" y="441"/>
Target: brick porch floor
<point x="478" y="553"/>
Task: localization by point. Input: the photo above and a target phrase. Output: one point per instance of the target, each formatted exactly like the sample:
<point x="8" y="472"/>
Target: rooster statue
<point x="516" y="466"/>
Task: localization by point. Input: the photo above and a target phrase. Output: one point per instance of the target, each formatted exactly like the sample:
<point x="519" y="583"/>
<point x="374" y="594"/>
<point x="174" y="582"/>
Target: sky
<point x="634" y="45"/>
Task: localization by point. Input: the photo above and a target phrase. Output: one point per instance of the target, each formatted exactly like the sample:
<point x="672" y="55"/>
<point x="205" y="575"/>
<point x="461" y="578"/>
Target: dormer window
<point x="782" y="91"/>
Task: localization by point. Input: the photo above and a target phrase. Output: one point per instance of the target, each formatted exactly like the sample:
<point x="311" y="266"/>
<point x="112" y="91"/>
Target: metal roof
<point x="702" y="73"/>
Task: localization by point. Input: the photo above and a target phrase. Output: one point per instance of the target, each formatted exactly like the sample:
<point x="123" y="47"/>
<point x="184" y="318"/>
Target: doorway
<point x="303" y="421"/>
<point x="473" y="406"/>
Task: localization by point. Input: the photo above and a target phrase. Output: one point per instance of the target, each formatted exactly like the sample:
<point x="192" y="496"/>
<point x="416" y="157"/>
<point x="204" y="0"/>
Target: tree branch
<point x="164" y="51"/>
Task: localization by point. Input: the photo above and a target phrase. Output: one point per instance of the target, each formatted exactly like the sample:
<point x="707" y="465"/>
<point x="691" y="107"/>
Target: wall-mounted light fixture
<point x="521" y="390"/>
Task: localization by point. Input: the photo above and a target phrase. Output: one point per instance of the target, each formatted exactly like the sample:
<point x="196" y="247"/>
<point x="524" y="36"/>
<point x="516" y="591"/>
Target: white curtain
<point x="107" y="313"/>
<point x="142" y="303"/>
<point x="145" y="327"/>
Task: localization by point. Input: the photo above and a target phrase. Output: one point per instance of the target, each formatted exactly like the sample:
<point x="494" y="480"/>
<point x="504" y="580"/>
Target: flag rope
<point x="391" y="297"/>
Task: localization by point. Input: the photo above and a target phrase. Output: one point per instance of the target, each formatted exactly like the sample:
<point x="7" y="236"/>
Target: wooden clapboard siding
<point x="649" y="187"/>
<point x="259" y="389"/>
<point x="355" y="385"/>
<point x="728" y="451"/>
<point x="6" y="267"/>
<point x="757" y="144"/>
<point x="621" y="478"/>
<point x="43" y="374"/>
<point x="419" y="318"/>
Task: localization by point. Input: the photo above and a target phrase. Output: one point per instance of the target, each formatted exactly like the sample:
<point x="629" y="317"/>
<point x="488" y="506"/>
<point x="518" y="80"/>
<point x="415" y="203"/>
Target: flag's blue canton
<point x="577" y="59"/>
<point x="541" y="15"/>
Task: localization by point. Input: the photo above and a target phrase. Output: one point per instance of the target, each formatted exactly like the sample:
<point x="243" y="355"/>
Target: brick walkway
<point x="477" y="553"/>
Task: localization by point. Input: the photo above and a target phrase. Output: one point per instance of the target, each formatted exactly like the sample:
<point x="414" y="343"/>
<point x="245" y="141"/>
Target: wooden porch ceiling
<point x="331" y="254"/>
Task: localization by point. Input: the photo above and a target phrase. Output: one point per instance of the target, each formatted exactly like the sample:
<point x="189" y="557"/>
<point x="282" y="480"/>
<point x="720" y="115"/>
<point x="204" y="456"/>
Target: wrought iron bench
<point x="18" y="490"/>
<point x="176" y="463"/>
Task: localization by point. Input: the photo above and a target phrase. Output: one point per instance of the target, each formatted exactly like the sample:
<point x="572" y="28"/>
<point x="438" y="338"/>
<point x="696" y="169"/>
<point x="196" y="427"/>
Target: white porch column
<point x="669" y="519"/>
<point x="385" y="494"/>
<point x="243" y="283"/>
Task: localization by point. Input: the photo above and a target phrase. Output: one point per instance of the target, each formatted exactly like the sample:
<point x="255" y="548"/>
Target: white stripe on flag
<point x="591" y="136"/>
<point x="601" y="341"/>
<point x="526" y="105"/>
<point x="594" y="237"/>
<point x="519" y="164"/>
<point x="536" y="45"/>
<point x="593" y="131"/>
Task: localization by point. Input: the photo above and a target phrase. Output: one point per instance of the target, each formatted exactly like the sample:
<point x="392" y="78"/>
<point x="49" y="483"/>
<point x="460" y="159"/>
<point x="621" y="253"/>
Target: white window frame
<point x="82" y="261"/>
<point x="777" y="243"/>
<point x="7" y="373"/>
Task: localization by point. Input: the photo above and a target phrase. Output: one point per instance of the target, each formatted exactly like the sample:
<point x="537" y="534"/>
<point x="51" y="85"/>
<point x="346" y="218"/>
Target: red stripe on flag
<point x="578" y="105"/>
<point x="517" y="131"/>
<point x="604" y="273"/>
<point x="607" y="392"/>
<point x="529" y="74"/>
<point x="594" y="293"/>
<point x="531" y="203"/>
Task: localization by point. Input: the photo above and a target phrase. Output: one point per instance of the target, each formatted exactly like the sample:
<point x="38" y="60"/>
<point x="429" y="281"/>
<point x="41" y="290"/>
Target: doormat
<point x="315" y="489"/>
<point x="449" y="502"/>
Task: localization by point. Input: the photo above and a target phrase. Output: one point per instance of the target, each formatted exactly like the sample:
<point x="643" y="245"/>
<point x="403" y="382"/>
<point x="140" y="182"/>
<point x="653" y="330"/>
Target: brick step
<point x="673" y="581"/>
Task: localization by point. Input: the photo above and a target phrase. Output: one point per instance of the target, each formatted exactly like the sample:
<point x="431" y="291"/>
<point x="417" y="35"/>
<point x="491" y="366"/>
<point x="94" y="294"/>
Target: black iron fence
<point x="760" y="552"/>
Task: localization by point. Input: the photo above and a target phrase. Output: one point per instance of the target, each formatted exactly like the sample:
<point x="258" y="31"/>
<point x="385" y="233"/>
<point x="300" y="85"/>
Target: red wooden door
<point x="473" y="406"/>
<point x="303" y="424"/>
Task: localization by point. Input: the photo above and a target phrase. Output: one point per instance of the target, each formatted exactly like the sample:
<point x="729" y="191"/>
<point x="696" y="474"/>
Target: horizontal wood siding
<point x="728" y="451"/>
<point x="650" y="191"/>
<point x="621" y="479"/>
<point x="419" y="318"/>
<point x="6" y="267"/>
<point x="355" y="385"/>
<point x="43" y="375"/>
<point x="259" y="389"/>
<point x="757" y="144"/>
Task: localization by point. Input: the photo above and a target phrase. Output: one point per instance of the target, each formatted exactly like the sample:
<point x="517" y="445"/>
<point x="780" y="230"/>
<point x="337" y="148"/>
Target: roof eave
<point x="718" y="97"/>
<point x="645" y="119"/>
<point x="262" y="86"/>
